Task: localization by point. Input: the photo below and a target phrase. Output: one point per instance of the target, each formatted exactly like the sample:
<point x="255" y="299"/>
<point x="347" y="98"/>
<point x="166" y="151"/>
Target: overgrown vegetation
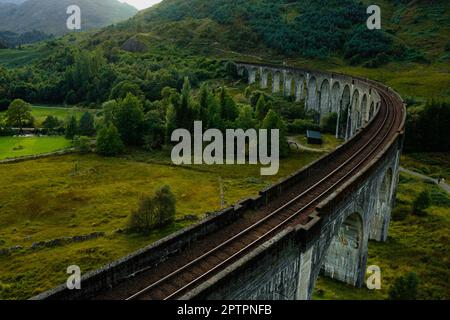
<point x="428" y="128"/>
<point x="156" y="211"/>
<point x="404" y="287"/>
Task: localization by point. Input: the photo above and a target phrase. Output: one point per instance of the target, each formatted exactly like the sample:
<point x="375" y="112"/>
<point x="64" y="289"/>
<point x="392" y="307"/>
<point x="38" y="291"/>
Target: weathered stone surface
<point x="134" y="44"/>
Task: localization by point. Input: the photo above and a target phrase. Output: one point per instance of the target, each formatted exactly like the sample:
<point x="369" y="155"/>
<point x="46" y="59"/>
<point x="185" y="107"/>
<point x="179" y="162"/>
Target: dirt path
<point x="443" y="185"/>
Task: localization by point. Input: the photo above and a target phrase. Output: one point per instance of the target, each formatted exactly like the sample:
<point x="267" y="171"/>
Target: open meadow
<point x="13" y="147"/>
<point x="80" y="194"/>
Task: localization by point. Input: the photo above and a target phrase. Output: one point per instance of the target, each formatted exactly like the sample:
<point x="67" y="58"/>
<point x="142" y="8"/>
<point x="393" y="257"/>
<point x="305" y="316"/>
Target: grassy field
<point x="76" y="195"/>
<point x="40" y="113"/>
<point x="434" y="165"/>
<point x="329" y="142"/>
<point x="12" y="147"/>
<point x="415" y="243"/>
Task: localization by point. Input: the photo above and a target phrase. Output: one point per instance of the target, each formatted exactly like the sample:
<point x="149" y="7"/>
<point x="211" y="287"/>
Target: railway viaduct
<point x="274" y="246"/>
<point x="354" y="101"/>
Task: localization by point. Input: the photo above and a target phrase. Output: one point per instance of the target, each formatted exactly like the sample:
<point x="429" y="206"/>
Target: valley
<point x="117" y="92"/>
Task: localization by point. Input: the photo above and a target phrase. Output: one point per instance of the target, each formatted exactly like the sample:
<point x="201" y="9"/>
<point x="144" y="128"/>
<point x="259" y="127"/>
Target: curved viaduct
<point x="274" y="246"/>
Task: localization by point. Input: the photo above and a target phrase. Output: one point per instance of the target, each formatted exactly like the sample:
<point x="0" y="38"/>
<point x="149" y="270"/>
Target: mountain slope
<point x="12" y="1"/>
<point x="49" y="16"/>
<point x="308" y="28"/>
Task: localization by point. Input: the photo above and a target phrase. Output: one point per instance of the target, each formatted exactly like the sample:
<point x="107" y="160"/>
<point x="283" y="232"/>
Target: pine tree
<point x="245" y="120"/>
<point x="171" y="122"/>
<point x="204" y="105"/>
<point x="274" y="121"/>
<point x="229" y="110"/>
<point x="71" y="127"/>
<point x="261" y="110"/>
<point x="86" y="126"/>
<point x="129" y="120"/>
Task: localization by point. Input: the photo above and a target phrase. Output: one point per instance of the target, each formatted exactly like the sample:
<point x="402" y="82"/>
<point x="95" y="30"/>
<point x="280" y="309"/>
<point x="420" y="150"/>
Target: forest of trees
<point x="427" y="128"/>
<point x="10" y="39"/>
<point x="311" y="28"/>
<point x="77" y="76"/>
<point x="150" y="125"/>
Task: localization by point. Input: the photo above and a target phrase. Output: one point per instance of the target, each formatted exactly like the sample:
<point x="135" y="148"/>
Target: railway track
<point x="182" y="273"/>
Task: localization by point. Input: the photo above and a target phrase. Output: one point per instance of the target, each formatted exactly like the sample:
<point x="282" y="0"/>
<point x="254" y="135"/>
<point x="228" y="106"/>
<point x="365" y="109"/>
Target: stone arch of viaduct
<point x="354" y="102"/>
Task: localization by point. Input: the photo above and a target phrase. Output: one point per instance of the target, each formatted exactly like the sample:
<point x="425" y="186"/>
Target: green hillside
<point x="411" y="30"/>
<point x="411" y="53"/>
<point x="49" y="16"/>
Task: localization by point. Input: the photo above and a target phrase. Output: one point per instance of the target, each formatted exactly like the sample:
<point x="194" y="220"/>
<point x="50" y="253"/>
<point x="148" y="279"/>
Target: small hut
<point x="314" y="137"/>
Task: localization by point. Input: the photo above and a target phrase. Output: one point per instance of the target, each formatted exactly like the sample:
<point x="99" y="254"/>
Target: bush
<point x="400" y="213"/>
<point x="86" y="126"/>
<point x="154" y="212"/>
<point x="428" y="128"/>
<point x="299" y="126"/>
<point x="422" y="202"/>
<point x="82" y="144"/>
<point x="328" y="123"/>
<point x="51" y="123"/>
<point x="71" y="127"/>
<point x="404" y="287"/>
<point x="4" y="104"/>
<point x="109" y="142"/>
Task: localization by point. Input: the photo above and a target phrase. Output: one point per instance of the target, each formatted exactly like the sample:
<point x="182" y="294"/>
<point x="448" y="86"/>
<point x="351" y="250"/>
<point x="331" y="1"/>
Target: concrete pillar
<point x="347" y="254"/>
<point x="298" y="90"/>
<point x="304" y="276"/>
<point x="251" y="76"/>
<point x="339" y="106"/>
<point x="264" y="78"/>
<point x="379" y="222"/>
<point x="240" y="71"/>
<point x="275" y="82"/>
<point x="287" y="84"/>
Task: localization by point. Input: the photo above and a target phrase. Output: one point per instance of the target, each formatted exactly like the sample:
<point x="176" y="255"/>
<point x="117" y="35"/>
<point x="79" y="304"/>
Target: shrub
<point x="154" y="212"/>
<point x="51" y="123"/>
<point x="82" y="144"/>
<point x="299" y="126"/>
<point x="404" y="287"/>
<point x="328" y="123"/>
<point x="71" y="127"/>
<point x="86" y="126"/>
<point x="401" y="212"/>
<point x="109" y="142"/>
<point x="4" y="104"/>
<point x="422" y="202"/>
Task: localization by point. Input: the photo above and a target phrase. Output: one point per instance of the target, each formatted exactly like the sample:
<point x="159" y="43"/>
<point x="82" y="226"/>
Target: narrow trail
<point x="443" y="185"/>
